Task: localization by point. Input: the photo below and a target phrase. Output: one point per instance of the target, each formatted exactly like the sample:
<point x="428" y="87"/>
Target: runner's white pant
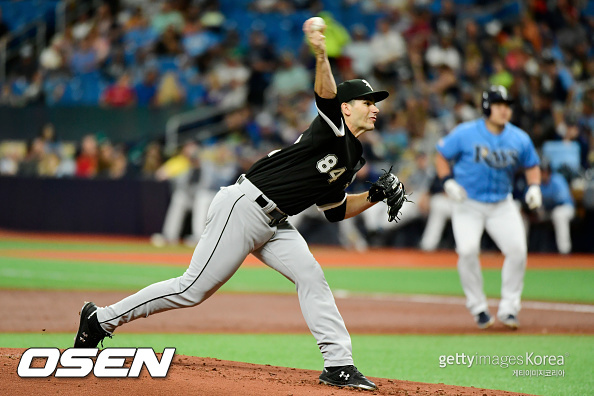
<point x="561" y="217"/>
<point x="440" y="211"/>
<point x="503" y="222"/>
<point x="237" y="226"/>
<point x="202" y="200"/>
<point x="184" y="199"/>
<point x="180" y="204"/>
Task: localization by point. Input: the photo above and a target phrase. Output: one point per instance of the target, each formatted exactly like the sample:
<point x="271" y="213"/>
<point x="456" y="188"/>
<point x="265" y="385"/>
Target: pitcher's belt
<point x="276" y="215"/>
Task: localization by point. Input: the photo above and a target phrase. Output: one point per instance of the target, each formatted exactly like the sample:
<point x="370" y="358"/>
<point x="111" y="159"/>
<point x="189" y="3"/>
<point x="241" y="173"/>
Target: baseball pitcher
<point x="251" y="217"/>
<point x="476" y="162"/>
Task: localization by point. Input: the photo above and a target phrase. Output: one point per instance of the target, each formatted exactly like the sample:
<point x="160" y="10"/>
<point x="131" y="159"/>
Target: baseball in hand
<point x="317" y="24"/>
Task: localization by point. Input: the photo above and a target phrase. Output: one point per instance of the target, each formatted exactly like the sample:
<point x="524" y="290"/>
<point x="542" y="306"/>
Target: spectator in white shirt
<point x="444" y="53"/>
<point x="389" y="49"/>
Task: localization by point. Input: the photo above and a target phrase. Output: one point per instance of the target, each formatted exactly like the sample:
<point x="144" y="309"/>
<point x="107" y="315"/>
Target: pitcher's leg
<point x="287" y="252"/>
<point x="468" y="227"/>
<point x="224" y="245"/>
<point x="506" y="228"/>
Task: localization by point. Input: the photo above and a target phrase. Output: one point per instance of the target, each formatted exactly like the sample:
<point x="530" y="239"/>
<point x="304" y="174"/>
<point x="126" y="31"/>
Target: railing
<point x="63" y="16"/>
<point x="194" y="122"/>
<point x="66" y="15"/>
<point x="7" y="53"/>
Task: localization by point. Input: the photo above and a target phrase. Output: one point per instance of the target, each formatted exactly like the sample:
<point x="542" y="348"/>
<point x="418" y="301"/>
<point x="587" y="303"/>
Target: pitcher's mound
<point x="190" y="375"/>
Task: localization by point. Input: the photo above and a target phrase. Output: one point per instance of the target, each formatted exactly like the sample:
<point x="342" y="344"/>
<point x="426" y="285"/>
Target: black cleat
<point x="90" y="332"/>
<point x="346" y="376"/>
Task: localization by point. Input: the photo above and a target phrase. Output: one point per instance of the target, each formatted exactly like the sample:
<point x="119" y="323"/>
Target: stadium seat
<point x="166" y="63"/>
<point x="589" y="9"/>
<point x="20" y="13"/>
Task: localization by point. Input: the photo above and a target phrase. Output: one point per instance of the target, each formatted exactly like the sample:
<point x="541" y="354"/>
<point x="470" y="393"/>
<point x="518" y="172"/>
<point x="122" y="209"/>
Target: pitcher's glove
<point x="391" y="190"/>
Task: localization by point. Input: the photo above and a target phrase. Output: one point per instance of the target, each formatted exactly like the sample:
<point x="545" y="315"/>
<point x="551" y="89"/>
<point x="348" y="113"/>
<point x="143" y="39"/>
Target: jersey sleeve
<point x="331" y="201"/>
<point x="336" y="214"/>
<point x="529" y="157"/>
<point x="333" y="206"/>
<point x="449" y="146"/>
<point x="329" y="111"/>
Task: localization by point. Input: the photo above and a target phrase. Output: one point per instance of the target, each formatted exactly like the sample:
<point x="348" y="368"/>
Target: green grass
<point x="549" y="285"/>
<point x="73" y="275"/>
<point x="71" y="245"/>
<point x="404" y="357"/>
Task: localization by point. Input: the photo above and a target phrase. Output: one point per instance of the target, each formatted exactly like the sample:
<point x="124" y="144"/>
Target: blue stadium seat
<point x="135" y="39"/>
<point x="166" y="63"/>
<point x="49" y="86"/>
<point x="91" y="87"/>
<point x="509" y="12"/>
<point x="333" y="6"/>
<point x="75" y="90"/>
<point x="20" y="13"/>
<point x="506" y="13"/>
<point x="195" y="95"/>
<point x="435" y="6"/>
<point x="589" y="9"/>
<point x="19" y="86"/>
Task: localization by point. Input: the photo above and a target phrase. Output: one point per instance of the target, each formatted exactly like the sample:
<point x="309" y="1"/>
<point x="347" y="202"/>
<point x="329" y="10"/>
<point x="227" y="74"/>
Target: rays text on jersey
<point x="500" y="158"/>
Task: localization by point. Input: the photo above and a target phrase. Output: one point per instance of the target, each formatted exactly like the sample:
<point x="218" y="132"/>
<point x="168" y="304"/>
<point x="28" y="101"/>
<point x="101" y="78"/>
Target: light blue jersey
<point x="485" y="163"/>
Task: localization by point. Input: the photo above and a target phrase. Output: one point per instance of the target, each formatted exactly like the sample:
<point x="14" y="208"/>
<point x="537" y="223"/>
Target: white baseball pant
<point x="180" y="204"/>
<point x="440" y="211"/>
<point x="561" y="217"/>
<point x="503" y="222"/>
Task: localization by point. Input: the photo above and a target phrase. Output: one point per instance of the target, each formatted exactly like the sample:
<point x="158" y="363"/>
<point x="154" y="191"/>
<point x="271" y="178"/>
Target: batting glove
<point x="454" y="190"/>
<point x="534" y="197"/>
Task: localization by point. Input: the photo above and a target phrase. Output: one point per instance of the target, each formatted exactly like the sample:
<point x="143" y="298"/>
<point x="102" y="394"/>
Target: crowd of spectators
<point x="434" y="59"/>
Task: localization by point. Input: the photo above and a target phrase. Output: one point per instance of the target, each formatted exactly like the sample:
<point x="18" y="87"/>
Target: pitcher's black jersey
<point x="316" y="169"/>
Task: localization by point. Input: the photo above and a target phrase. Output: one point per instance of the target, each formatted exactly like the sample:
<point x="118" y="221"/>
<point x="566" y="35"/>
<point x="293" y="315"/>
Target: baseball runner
<point x="251" y="217"/>
<point x="485" y="154"/>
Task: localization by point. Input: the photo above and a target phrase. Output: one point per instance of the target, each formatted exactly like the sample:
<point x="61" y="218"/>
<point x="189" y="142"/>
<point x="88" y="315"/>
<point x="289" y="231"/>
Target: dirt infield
<point x="201" y="376"/>
<point x="56" y="311"/>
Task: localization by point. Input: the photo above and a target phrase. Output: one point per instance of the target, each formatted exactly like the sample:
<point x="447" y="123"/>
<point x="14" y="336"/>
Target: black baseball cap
<point x="497" y="94"/>
<point x="357" y="89"/>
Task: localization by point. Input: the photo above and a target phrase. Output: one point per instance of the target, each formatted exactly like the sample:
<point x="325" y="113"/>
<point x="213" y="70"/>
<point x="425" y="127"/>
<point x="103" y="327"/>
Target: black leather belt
<point x="276" y="215"/>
